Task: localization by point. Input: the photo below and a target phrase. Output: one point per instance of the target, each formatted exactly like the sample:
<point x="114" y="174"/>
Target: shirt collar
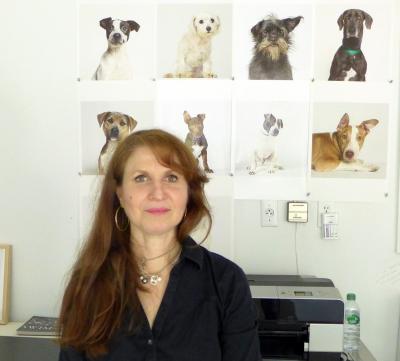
<point x="192" y="251"/>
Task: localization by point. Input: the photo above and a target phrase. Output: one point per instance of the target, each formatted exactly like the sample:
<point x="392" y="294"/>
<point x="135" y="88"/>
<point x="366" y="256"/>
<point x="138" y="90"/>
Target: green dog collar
<point x="352" y="52"/>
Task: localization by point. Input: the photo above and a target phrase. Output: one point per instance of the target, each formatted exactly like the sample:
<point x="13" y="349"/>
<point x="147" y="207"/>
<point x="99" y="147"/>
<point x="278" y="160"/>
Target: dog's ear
<point x="256" y="28"/>
<point x="201" y="116"/>
<point x="133" y="25"/>
<point x="193" y="24"/>
<point x="105" y="23"/>
<point x="369" y="124"/>
<point x="344" y="122"/>
<point x="340" y="20"/>
<point x="368" y="20"/>
<point x="280" y="123"/>
<point x="102" y="117"/>
<point x="270" y="118"/>
<point x="217" y="23"/>
<point x="131" y="122"/>
<point x="291" y="23"/>
<point x="186" y="116"/>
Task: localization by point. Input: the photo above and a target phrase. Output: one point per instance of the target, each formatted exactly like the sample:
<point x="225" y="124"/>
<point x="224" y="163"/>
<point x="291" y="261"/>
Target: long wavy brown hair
<point x="101" y="290"/>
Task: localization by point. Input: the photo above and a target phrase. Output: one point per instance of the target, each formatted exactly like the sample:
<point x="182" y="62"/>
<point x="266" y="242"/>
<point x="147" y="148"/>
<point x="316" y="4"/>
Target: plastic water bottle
<point x="351" y="326"/>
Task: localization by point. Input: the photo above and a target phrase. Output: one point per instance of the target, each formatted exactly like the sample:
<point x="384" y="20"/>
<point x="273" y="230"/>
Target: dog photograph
<point x="351" y="42"/>
<point x="270" y="139"/>
<point x="104" y="125"/>
<point x="116" y="42"/>
<point x="194" y="41"/>
<point x="273" y="42"/>
<point x="195" y="139"/>
<point x="201" y="119"/>
<point x="349" y="140"/>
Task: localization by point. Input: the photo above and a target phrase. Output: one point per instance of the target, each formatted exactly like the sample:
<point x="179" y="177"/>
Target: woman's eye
<point x="172" y="178"/>
<point x="140" y="178"/>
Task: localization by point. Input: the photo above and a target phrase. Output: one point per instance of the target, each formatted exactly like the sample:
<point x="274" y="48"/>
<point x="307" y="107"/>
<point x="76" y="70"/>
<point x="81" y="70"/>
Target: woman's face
<point x="154" y="197"/>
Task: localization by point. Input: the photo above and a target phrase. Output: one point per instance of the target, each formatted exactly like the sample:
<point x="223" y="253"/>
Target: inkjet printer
<point x="299" y="318"/>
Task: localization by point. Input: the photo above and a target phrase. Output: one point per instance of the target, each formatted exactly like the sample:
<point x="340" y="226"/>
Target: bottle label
<point x="353" y="318"/>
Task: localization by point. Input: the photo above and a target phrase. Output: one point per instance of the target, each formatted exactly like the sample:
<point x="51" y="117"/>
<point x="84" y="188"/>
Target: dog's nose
<point x="349" y="154"/>
<point x="273" y="35"/>
<point x="117" y="36"/>
<point x="352" y="29"/>
<point x="114" y="132"/>
<point x="208" y="28"/>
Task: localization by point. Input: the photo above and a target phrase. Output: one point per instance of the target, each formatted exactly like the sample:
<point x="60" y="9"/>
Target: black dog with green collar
<point x="349" y="56"/>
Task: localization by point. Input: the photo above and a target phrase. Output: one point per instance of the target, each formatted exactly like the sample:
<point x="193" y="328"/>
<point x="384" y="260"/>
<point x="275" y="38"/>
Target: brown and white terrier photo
<point x="340" y="150"/>
<point x="196" y="139"/>
<point x="116" y="127"/>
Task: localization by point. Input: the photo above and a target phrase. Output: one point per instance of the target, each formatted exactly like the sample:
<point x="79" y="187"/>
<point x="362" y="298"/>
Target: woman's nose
<point x="157" y="190"/>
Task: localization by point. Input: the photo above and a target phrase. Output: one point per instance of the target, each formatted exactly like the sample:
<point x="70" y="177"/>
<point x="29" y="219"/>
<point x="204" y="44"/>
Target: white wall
<point x="39" y="150"/>
<point x="39" y="189"/>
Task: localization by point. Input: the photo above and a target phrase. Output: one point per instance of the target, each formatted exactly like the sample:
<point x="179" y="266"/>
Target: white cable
<point x="295" y="248"/>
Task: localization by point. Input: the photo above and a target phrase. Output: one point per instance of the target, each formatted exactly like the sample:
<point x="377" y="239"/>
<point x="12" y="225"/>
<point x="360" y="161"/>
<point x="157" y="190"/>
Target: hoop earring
<point x="116" y="221"/>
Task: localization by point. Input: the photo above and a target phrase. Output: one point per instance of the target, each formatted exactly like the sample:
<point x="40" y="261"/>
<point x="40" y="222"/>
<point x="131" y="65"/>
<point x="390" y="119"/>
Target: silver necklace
<point x="155" y="278"/>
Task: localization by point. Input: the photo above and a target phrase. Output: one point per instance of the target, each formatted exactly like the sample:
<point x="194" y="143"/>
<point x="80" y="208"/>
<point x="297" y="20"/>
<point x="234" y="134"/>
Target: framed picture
<point x="5" y="266"/>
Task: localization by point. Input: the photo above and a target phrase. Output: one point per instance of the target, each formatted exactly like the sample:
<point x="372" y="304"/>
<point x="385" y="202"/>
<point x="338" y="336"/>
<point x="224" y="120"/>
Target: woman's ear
<point x="118" y="192"/>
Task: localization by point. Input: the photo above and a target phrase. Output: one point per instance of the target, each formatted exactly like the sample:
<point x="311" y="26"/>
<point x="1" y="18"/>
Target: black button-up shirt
<point x="206" y="314"/>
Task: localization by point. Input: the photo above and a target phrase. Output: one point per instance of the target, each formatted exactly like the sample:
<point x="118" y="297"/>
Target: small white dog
<point x="194" y="49"/>
<point x="264" y="157"/>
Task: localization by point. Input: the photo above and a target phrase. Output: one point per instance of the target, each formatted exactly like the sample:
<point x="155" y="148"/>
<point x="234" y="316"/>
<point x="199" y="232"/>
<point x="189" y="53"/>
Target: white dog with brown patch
<point x="194" y="49"/>
<point x="340" y="150"/>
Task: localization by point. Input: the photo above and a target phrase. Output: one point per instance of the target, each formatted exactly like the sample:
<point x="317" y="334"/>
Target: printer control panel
<point x="308" y="292"/>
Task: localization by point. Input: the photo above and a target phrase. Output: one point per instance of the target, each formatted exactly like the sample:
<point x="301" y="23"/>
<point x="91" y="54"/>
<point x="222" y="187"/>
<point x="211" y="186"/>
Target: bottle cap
<point x="351" y="297"/>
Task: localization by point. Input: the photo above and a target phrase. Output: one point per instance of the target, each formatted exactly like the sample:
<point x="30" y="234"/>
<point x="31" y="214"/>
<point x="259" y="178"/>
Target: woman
<point x="141" y="288"/>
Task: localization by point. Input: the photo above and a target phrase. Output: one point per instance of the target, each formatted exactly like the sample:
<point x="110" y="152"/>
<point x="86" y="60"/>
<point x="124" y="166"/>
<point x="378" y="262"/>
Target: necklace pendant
<point x="144" y="279"/>
<point x="154" y="279"/>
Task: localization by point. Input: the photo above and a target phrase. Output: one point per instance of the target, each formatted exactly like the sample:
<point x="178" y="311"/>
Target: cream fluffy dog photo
<point x="194" y="49"/>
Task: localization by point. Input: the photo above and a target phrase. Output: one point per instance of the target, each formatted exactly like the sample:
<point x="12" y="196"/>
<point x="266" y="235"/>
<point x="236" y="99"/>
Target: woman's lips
<point x="157" y="210"/>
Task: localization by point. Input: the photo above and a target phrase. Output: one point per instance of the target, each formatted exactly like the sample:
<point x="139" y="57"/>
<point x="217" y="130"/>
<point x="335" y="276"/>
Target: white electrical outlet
<point x="324" y="207"/>
<point x="269" y="213"/>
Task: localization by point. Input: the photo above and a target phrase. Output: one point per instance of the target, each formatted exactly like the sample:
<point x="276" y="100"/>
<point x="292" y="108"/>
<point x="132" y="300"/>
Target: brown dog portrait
<point x="196" y="139"/>
<point x="116" y="127"/>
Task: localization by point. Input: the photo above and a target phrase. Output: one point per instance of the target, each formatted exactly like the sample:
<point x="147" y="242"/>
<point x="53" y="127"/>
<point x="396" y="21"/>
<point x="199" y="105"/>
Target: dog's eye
<point x="358" y="137"/>
<point x="344" y="136"/>
<point x="122" y="123"/>
<point x="109" y="120"/>
<point x="280" y="32"/>
<point x="212" y="20"/>
<point x="201" y="21"/>
<point x="124" y="28"/>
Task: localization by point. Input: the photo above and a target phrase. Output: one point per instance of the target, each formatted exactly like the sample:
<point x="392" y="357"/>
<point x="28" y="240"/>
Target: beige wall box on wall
<point x="297" y="212"/>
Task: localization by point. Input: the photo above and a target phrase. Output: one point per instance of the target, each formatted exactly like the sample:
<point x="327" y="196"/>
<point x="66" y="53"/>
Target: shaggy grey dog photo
<point x="272" y="43"/>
